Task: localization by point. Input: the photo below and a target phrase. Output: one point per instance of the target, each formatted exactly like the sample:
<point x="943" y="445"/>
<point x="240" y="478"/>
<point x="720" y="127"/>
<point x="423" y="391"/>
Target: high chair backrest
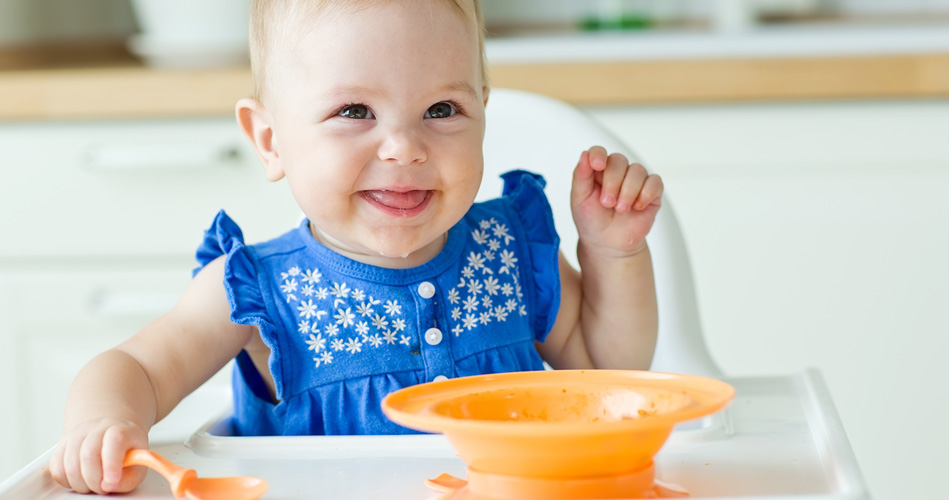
<point x="536" y="133"/>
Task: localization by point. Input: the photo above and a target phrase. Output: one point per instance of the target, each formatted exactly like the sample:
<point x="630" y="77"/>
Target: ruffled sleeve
<point x="224" y="237"/>
<point x="525" y="190"/>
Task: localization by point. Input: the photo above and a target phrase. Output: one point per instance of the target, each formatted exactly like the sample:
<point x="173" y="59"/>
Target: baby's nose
<point x="404" y="146"/>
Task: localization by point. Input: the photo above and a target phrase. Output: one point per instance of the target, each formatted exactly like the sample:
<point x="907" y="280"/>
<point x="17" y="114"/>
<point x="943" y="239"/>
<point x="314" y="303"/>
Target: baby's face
<point x="378" y="119"/>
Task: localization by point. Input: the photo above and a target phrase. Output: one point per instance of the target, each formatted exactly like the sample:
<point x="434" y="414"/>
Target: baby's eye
<point x="441" y="110"/>
<point x="356" y="112"/>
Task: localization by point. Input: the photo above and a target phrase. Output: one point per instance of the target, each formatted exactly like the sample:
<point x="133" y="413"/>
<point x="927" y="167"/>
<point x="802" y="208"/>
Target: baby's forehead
<point x="294" y="25"/>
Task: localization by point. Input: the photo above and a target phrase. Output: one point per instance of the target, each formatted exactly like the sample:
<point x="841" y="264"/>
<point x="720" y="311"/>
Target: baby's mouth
<point x="403" y="203"/>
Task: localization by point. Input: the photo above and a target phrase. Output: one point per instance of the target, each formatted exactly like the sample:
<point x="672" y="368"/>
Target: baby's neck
<point x="408" y="260"/>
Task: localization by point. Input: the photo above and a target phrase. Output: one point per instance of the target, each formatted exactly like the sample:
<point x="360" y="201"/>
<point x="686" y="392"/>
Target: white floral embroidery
<point x="470" y="321"/>
<point x="340" y="290"/>
<point x="312" y="276"/>
<point x="326" y="358"/>
<point x="491" y="285"/>
<point x="490" y="272"/>
<point x="500" y="312"/>
<point x="476" y="261"/>
<point x="392" y="307"/>
<point x="364" y="309"/>
<point x="316" y="342"/>
<point x="353" y="345"/>
<point x="479" y="236"/>
<point x="289" y="286"/>
<point x="338" y="321"/>
<point x="500" y="230"/>
<point x="307" y="309"/>
<point x="344" y="318"/>
<point x="471" y="304"/>
<point x="380" y="322"/>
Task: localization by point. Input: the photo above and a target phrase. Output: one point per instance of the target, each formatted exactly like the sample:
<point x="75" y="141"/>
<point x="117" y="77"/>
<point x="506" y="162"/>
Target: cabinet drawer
<point x="140" y="187"/>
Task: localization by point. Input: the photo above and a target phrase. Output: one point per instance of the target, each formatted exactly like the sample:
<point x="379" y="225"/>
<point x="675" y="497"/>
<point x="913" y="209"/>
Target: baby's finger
<point x="56" y="465"/>
<point x="90" y="457"/>
<point x="598" y="158"/>
<point x="584" y="180"/>
<point x="115" y="444"/>
<point x="612" y="180"/>
<point x="73" y="468"/>
<point x="632" y="186"/>
<point x="651" y="193"/>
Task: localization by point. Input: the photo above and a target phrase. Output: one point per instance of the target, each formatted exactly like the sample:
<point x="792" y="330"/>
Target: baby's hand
<point x="89" y="457"/>
<point x="614" y="202"/>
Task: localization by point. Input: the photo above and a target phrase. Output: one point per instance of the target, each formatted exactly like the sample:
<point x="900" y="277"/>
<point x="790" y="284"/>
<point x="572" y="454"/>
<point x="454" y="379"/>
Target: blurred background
<point x="799" y="141"/>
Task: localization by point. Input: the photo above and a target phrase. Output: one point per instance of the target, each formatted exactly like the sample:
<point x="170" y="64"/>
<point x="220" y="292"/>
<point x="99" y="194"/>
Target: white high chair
<point x="531" y="132"/>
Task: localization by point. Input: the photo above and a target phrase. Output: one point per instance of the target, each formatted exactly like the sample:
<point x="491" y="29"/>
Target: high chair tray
<point x="780" y="438"/>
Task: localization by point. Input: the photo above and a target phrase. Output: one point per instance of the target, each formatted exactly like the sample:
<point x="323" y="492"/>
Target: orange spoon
<point x="186" y="483"/>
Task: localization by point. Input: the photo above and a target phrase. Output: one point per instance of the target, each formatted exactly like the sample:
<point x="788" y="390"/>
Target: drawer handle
<point x="133" y="157"/>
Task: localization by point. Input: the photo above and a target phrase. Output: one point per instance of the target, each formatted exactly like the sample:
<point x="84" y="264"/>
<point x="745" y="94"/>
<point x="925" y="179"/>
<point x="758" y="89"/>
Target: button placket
<point x="434" y="347"/>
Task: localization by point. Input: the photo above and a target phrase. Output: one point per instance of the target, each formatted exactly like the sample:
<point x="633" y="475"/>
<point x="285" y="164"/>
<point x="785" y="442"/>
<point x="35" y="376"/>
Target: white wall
<point x="819" y="238"/>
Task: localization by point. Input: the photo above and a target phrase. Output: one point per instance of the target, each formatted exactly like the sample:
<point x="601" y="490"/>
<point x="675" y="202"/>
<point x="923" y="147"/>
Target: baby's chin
<point x="405" y="254"/>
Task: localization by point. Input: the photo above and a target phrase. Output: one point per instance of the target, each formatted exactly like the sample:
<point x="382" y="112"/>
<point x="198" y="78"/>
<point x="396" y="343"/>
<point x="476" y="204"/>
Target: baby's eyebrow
<point x="352" y="89"/>
<point x="461" y="86"/>
<point x="457" y="86"/>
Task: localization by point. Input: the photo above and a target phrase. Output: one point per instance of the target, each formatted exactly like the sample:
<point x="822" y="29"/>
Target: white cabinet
<point x="98" y="225"/>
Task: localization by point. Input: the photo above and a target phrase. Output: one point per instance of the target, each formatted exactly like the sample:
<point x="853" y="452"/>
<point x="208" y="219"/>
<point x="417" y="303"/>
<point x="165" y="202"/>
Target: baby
<point x="373" y="111"/>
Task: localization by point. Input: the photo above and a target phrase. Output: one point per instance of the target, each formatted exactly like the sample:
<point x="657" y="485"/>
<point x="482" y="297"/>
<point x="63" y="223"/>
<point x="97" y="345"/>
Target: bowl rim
<point x="409" y="406"/>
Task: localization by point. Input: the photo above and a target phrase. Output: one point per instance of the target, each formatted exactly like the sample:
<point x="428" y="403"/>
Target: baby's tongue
<point x="409" y="199"/>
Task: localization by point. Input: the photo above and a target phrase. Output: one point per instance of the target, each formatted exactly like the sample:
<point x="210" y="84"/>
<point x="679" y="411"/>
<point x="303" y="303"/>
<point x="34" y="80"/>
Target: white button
<point x="426" y="290"/>
<point x="439" y="378"/>
<point x="433" y="336"/>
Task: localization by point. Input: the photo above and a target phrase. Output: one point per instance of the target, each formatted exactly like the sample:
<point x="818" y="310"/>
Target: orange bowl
<point x="558" y="424"/>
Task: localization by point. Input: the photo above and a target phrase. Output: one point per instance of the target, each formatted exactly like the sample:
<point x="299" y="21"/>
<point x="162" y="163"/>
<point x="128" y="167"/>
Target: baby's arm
<point x="120" y="394"/>
<point x="608" y="316"/>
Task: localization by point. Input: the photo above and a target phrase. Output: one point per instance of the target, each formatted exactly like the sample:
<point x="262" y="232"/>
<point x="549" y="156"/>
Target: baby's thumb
<point x="115" y="477"/>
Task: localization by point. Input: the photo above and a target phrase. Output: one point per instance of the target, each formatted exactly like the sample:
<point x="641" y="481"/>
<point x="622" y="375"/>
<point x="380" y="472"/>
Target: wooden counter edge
<point x="137" y="92"/>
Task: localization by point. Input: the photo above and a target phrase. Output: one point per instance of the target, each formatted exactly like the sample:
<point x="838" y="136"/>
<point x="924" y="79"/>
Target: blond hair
<point x="271" y="18"/>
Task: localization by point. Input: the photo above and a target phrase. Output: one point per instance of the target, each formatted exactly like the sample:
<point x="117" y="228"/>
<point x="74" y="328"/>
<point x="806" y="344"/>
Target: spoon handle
<point x="176" y="475"/>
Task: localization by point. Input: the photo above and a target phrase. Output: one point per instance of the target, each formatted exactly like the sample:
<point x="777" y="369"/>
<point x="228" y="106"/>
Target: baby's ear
<point x="256" y="122"/>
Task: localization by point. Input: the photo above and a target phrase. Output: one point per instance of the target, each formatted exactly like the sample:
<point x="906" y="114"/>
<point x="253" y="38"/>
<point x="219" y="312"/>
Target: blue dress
<point x="344" y="334"/>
